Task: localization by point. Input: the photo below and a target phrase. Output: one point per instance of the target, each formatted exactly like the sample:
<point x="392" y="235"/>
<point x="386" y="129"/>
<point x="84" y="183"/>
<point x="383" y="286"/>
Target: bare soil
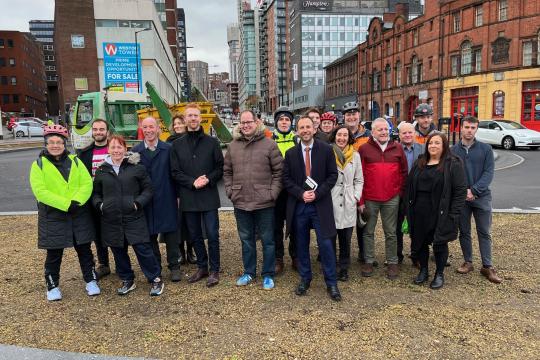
<point x="377" y="319"/>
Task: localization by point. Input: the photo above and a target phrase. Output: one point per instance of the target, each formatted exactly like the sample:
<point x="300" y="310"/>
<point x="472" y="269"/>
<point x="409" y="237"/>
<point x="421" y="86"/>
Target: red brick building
<point x="75" y="46"/>
<point x="341" y="84"/>
<point x="455" y="56"/>
<point x="23" y="85"/>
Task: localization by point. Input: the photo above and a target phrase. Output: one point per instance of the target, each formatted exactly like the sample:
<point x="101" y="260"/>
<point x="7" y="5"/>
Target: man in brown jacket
<point x="252" y="175"/>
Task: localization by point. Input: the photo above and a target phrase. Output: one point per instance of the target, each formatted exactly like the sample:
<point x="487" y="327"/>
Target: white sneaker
<point x="92" y="288"/>
<point x="54" y="294"/>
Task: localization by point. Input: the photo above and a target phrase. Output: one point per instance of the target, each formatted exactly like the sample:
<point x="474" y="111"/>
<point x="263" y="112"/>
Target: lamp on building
<point x="137" y="58"/>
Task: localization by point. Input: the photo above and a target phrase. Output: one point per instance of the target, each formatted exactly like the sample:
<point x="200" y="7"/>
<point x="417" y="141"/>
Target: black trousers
<point x="440" y="252"/>
<point x="101" y="250"/>
<point x="53" y="261"/>
<point x="280" y="215"/>
<point x="344" y="258"/>
<point x="172" y="247"/>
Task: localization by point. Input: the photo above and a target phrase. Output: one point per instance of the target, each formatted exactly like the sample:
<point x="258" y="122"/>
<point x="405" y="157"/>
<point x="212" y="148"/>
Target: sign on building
<point x="317" y="5"/>
<point x="122" y="67"/>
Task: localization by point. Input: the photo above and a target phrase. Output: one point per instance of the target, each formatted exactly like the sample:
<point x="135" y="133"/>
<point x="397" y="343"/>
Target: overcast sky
<point x="206" y="22"/>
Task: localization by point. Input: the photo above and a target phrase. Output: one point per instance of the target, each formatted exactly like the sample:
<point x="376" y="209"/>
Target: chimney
<point x="402" y="8"/>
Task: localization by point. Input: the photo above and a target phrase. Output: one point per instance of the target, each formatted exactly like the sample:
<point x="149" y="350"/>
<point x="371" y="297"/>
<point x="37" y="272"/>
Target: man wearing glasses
<point x="352" y="121"/>
<point x="252" y="175"/>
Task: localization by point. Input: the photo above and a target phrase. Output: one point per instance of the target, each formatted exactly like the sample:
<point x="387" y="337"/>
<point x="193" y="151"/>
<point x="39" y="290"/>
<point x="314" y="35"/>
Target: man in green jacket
<point x="62" y="186"/>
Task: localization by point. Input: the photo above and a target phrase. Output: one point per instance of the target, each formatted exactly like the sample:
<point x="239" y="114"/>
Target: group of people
<point x="310" y="175"/>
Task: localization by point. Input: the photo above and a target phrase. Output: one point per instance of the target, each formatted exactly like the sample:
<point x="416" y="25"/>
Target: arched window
<point x="397" y="111"/>
<point x="414" y="70"/>
<point x="466" y="58"/>
<point x="388" y="75"/>
<point x="398" y="73"/>
<point x="498" y="104"/>
<point x="387" y="109"/>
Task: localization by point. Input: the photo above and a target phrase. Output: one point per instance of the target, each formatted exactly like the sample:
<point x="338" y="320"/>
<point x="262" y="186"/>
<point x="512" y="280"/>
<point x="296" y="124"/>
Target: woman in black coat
<point x="436" y="192"/>
<point x="121" y="189"/>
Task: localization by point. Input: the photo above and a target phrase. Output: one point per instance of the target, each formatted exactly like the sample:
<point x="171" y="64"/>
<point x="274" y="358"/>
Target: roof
<point x="345" y="56"/>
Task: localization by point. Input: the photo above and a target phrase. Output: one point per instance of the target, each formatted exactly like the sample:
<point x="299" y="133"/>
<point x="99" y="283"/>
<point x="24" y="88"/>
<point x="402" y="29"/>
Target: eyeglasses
<point x="351" y="112"/>
<point x="55" y="143"/>
<point x="244" y="123"/>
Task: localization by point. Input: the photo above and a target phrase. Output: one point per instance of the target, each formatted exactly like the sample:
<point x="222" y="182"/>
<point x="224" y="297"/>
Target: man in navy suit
<point x="311" y="161"/>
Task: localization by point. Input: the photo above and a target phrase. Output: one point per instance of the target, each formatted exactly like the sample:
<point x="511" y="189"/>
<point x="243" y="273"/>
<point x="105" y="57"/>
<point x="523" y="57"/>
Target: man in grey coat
<point x="252" y="175"/>
<point x="412" y="151"/>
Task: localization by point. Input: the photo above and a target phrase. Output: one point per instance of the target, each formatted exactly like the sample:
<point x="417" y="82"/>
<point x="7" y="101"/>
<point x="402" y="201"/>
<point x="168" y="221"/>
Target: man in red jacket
<point x="384" y="165"/>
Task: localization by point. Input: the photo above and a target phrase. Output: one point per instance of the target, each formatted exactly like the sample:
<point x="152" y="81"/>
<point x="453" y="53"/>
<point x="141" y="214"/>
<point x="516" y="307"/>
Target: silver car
<point x="28" y="128"/>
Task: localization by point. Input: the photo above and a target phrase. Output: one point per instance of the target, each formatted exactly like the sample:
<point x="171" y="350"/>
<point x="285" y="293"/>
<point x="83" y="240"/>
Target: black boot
<point x="438" y="281"/>
<point x="182" y="258"/>
<point x="422" y="276"/>
<point x="190" y="255"/>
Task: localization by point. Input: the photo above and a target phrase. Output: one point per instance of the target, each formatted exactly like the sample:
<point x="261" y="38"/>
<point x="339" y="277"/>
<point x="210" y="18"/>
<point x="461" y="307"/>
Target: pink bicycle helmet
<point x="328" y="116"/>
<point x="55" y="130"/>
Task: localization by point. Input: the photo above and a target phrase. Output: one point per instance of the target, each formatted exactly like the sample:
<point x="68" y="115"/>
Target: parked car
<point x="508" y="134"/>
<point x="28" y="128"/>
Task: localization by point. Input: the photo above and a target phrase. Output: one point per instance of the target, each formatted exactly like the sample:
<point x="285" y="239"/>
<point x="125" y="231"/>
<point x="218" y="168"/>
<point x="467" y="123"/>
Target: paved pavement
<point x="9" y="352"/>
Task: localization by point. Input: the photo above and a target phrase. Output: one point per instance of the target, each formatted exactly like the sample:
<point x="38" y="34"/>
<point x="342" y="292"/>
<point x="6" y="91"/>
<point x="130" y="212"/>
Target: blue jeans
<point x="305" y="219"/>
<point x="250" y="223"/>
<point x="481" y="210"/>
<point x="211" y="222"/>
<point x="145" y="256"/>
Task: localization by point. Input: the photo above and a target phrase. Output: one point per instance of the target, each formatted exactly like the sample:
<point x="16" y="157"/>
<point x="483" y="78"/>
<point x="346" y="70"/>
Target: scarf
<point x="343" y="158"/>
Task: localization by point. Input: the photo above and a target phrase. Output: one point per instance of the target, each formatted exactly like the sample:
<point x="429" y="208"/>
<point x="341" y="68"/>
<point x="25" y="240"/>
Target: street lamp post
<point x="137" y="59"/>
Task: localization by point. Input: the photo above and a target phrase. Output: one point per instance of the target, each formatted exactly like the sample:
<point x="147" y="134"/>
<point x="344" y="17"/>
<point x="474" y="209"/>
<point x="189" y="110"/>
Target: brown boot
<point x="392" y="271"/>
<point x="366" y="270"/>
<point x="213" y="279"/>
<point x="491" y="275"/>
<point x="198" y="276"/>
<point x="279" y="266"/>
<point x="466" y="268"/>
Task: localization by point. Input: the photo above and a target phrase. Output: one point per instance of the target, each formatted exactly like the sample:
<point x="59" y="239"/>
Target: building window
<point x="3" y="80"/>
<point x="1" y="43"/>
<point x="530" y="106"/>
<point x="478" y="15"/>
<point x="2" y="61"/>
<point x="10" y="43"/>
<point x="503" y="10"/>
<point x="11" y="62"/>
<point x="397" y="111"/>
<point x="398" y="73"/>
<point x="15" y="99"/>
<point x="77" y="41"/>
<point x="364" y="82"/>
<point x="387" y="47"/>
<point x="399" y="43"/>
<point x="13" y="80"/>
<point x="388" y="74"/>
<point x="466" y="58"/>
<point x="531" y="55"/>
<point x="457" y="21"/>
<point x="477" y="59"/>
<point x="415" y="75"/>
<point x="454" y="60"/>
<point x="5" y="99"/>
<point x="498" y="103"/>
<point x="415" y="37"/>
<point x="431" y="25"/>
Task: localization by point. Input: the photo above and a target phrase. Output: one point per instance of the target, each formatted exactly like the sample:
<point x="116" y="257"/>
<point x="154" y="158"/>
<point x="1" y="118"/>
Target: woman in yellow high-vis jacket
<point x="62" y="187"/>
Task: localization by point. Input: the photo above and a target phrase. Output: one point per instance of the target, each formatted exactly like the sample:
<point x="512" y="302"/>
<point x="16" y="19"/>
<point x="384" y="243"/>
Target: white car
<point x="508" y="134"/>
<point x="28" y="128"/>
